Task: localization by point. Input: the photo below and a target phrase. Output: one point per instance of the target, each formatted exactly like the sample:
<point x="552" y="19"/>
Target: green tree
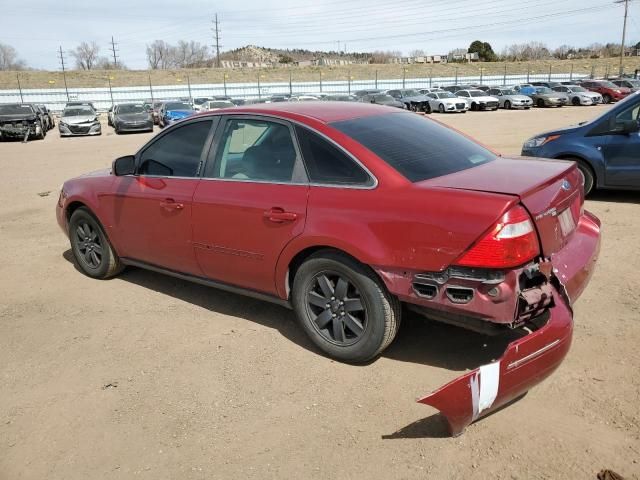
<point x="484" y="51"/>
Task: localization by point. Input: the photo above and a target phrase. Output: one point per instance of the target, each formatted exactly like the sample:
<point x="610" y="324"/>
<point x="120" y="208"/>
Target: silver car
<point x="80" y="120"/>
<point x="509" y="98"/>
<point x="446" y="102"/>
<point x="579" y="95"/>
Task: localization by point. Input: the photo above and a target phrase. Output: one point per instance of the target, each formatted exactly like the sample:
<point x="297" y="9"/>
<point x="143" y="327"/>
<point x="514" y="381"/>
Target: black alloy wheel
<point x="89" y="245"/>
<point x="336" y="308"/>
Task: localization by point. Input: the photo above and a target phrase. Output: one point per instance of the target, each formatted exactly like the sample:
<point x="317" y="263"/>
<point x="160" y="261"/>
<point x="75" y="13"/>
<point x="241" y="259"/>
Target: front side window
<point x="177" y="153"/>
<point x="419" y="149"/>
<point x="327" y="164"/>
<point x="252" y="149"/>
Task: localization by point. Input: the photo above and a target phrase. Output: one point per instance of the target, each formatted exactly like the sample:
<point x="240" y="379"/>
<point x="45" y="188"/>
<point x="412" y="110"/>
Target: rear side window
<point x="417" y="148"/>
<point x="177" y="153"/>
<point x="327" y="164"/>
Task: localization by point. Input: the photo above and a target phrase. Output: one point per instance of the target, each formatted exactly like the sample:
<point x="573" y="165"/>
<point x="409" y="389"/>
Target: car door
<point x="251" y="202"/>
<point x="621" y="152"/>
<point x="152" y="209"/>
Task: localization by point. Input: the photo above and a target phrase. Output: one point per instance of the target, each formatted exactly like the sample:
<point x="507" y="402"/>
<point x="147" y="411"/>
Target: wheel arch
<point x="581" y="158"/>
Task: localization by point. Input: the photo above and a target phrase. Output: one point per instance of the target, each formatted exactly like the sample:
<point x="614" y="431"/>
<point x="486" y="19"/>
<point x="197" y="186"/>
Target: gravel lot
<point x="151" y="377"/>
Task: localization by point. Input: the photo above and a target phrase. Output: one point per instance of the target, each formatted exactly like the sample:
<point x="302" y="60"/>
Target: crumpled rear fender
<point x="526" y="362"/>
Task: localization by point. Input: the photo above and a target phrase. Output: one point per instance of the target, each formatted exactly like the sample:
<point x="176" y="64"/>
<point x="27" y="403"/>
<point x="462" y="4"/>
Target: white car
<point x="303" y="98"/>
<point x="509" y="98"/>
<point x="216" y="105"/>
<point x="426" y="91"/>
<point x="446" y="102"/>
<point x="579" y="95"/>
<point x="199" y="103"/>
<point x="478" y="100"/>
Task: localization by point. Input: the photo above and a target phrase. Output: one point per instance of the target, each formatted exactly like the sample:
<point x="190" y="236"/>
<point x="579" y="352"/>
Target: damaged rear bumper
<point x="530" y="359"/>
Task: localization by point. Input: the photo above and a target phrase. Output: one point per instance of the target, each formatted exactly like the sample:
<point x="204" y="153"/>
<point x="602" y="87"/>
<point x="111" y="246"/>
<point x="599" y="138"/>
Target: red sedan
<point x="344" y="213"/>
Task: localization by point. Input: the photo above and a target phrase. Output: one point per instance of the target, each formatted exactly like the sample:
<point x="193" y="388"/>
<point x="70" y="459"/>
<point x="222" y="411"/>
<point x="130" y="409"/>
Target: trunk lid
<point x="551" y="190"/>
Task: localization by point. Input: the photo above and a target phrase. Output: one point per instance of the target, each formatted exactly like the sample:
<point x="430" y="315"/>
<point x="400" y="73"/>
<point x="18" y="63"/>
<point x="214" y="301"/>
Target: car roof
<point x="325" y="112"/>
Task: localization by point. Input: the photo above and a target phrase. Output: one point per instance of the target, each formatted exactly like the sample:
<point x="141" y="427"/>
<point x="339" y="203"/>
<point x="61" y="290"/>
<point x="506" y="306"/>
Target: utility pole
<point x="64" y="72"/>
<point x="624" y="31"/>
<point x="216" y="36"/>
<point x="113" y="50"/>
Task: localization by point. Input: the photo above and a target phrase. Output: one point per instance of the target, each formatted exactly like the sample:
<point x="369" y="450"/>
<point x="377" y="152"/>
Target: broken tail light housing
<point x="511" y="242"/>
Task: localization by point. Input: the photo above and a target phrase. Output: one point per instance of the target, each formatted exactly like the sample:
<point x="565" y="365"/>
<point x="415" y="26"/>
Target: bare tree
<point x="9" y="58"/>
<point x="417" y="53"/>
<point x="86" y="55"/>
<point x="380" y="56"/>
<point x="190" y="54"/>
<point x="159" y="55"/>
<point x="105" y="63"/>
<point x="526" y="51"/>
<point x="562" y="52"/>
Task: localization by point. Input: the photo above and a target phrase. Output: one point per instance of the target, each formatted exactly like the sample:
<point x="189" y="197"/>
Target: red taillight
<point x="510" y="243"/>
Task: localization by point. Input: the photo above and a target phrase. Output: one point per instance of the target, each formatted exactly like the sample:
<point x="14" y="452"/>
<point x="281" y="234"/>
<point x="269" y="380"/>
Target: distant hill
<point x="253" y="53"/>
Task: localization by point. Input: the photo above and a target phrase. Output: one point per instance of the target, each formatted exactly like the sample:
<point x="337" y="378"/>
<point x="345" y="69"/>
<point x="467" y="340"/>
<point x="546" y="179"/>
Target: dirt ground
<point x="146" y="376"/>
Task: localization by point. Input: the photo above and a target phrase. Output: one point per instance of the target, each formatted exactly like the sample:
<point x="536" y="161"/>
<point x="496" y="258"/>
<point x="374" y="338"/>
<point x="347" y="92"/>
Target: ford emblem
<point x="566" y="185"/>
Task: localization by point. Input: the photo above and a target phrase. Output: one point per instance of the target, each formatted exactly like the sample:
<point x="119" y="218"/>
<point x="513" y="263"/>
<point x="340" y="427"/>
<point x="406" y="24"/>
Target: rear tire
<point x="344" y="308"/>
<point x="441" y="108"/>
<point x="575" y="101"/>
<point x="606" y="98"/>
<point x="540" y="103"/>
<point x="93" y="254"/>
<point x="507" y="105"/>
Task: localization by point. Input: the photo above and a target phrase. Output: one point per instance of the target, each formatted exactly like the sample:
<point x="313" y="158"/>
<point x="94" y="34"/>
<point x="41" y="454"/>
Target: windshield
<point x="131" y="108"/>
<point x="634" y="83"/>
<point x="220" y="104"/>
<point x="417" y="148"/>
<point x="410" y="93"/>
<point x="543" y="90"/>
<point x="477" y="93"/>
<point x="508" y="91"/>
<point x="177" y="106"/>
<point x="578" y="89"/>
<point x="78" y="111"/>
<point x="16" y="109"/>
<point x="607" y="84"/>
<point x="200" y="101"/>
<point x="446" y="95"/>
<point x="383" y="98"/>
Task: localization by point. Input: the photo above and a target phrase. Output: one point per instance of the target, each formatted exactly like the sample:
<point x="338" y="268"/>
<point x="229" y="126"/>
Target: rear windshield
<point x="15" y="109"/>
<point x="418" y="148"/>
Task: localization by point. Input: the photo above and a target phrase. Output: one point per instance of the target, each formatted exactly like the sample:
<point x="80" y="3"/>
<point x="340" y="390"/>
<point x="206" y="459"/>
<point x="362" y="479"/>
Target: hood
<point x="77" y="119"/>
<point x="103" y="172"/>
<point x="559" y="131"/>
<point x="17" y="117"/>
<point x="179" y="113"/>
<point x="133" y="117"/>
<point x="517" y="97"/>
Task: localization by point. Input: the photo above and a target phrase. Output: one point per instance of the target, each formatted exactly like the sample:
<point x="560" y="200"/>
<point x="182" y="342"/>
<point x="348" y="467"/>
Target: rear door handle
<point x="170" y="204"/>
<point x="278" y="215"/>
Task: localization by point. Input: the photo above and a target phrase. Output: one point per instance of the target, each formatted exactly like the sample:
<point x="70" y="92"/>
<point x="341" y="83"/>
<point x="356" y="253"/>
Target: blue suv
<point x="607" y="149"/>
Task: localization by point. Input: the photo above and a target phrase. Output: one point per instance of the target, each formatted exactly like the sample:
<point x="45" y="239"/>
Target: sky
<point x="37" y="28"/>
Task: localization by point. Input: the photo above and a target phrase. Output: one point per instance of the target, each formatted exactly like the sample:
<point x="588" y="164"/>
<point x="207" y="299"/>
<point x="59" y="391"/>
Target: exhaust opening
<point x="425" y="290"/>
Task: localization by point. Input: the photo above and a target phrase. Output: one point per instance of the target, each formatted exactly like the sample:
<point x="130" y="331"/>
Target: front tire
<point x="540" y="103"/>
<point x="344" y="308"/>
<point x="507" y="105"/>
<point x="441" y="108"/>
<point x="606" y="98"/>
<point x="575" y="101"/>
<point x="92" y="252"/>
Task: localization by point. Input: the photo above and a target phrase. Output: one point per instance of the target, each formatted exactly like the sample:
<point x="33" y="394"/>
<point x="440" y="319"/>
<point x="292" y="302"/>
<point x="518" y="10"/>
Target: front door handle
<point x="278" y="215"/>
<point x="170" y="204"/>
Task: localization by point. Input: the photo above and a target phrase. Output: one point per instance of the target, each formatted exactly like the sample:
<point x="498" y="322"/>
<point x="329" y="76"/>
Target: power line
<point x="216" y="32"/>
<point x="113" y="50"/>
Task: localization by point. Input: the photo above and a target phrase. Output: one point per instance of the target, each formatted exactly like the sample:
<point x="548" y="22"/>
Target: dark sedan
<point x="132" y="117"/>
<point x="382" y="99"/>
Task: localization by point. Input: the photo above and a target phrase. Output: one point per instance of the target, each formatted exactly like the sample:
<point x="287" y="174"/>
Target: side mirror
<point x="124" y="166"/>
<point x="628" y="127"/>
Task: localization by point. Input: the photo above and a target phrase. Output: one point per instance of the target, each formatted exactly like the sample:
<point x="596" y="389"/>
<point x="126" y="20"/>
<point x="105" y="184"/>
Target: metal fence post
<point x="320" y="82"/>
<point x="481" y="71"/>
<point x="224" y="82"/>
<point x="259" y="92"/>
<point x="456" y="74"/>
<point x="110" y="91"/>
<point x="376" y="79"/>
<point x="19" y="87"/>
<point x="290" y="86"/>
<point x="349" y="81"/>
<point x="430" y="76"/>
<point x="528" y="72"/>
<point x="404" y="76"/>
<point x="550" y="72"/>
<point x="593" y="70"/>
<point x="189" y="87"/>
<point x="150" y="89"/>
<point x="504" y="77"/>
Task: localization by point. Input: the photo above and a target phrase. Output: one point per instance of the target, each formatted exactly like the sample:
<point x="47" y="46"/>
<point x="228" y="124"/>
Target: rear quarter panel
<point x="407" y="228"/>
